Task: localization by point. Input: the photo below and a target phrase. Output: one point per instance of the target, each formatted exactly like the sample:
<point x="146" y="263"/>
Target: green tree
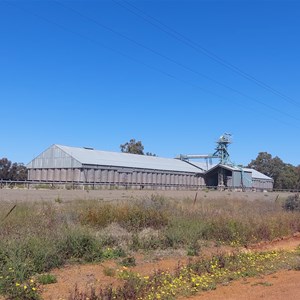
<point x="12" y="171"/>
<point x="285" y="176"/>
<point x="298" y="176"/>
<point x="18" y="171"/>
<point x="133" y="146"/>
<point x="150" y="154"/>
<point x="272" y="167"/>
<point x="5" y="165"/>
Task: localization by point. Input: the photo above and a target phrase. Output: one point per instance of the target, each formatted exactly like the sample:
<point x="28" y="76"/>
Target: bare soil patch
<point x="285" y="243"/>
<point x="277" y="286"/>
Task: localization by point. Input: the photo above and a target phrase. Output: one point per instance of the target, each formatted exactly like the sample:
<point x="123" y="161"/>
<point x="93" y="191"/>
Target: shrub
<point x="128" y="261"/>
<point x="13" y="288"/>
<point x="46" y="278"/>
<point x="108" y="271"/>
<point x="292" y="203"/>
<point x="80" y="245"/>
<point x="112" y="253"/>
<point x="133" y="217"/>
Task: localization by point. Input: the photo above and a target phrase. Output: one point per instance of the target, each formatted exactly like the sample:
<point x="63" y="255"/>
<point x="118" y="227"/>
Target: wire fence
<point x="29" y="184"/>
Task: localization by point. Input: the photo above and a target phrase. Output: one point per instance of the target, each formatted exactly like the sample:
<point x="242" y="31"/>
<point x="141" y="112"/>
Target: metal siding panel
<point x="247" y="179"/>
<point x="159" y="178"/>
<point x="69" y="175"/>
<point x="44" y="174"/>
<point x="97" y="175"/>
<point x="176" y="179"/>
<point x="129" y="177"/>
<point x="77" y="174"/>
<point x="90" y="175"/>
<point x="83" y="175"/>
<point x="145" y="177"/>
<point x="149" y="178"/>
<point x="116" y="176"/>
<point x="189" y="180"/>
<point x="172" y="180"/>
<point x="163" y="178"/>
<point x="33" y="175"/>
<point x="50" y="174"/>
<point x="110" y="176"/>
<point x="134" y="177"/>
<point x="139" y="177"/>
<point x="180" y="179"/>
<point x="236" y="179"/>
<point x="192" y="180"/>
<point x="63" y="175"/>
<point x="168" y="178"/>
<point x="229" y="181"/>
<point x="123" y="178"/>
<point x="154" y="178"/>
<point x="104" y="176"/>
<point x="56" y="175"/>
<point x="37" y="174"/>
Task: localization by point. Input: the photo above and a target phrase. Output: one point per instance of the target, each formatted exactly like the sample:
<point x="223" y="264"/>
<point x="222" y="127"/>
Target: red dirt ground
<point x="282" y="285"/>
<point x="279" y="286"/>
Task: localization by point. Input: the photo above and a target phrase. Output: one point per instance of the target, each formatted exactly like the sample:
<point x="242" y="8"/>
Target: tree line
<point x="286" y="176"/>
<point x="12" y="171"/>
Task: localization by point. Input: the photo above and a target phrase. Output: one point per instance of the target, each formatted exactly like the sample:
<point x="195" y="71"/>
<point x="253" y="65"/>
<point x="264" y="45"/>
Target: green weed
<point x="46" y="278"/>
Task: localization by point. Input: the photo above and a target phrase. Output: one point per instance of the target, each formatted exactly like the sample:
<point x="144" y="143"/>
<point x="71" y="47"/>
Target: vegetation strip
<point x="37" y="237"/>
<point x="201" y="275"/>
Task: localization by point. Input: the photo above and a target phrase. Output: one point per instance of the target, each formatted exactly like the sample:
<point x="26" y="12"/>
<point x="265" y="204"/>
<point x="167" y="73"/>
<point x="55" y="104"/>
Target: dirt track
<point x="279" y="286"/>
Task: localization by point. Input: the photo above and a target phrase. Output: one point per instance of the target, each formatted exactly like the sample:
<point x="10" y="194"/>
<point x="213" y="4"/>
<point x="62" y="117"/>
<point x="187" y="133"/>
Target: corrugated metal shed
<point x="257" y="175"/>
<point x="66" y="157"/>
<point x="231" y="168"/>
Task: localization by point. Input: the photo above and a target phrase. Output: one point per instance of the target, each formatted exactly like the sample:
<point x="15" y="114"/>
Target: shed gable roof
<point x="84" y="156"/>
<point x="258" y="175"/>
<point x="54" y="157"/>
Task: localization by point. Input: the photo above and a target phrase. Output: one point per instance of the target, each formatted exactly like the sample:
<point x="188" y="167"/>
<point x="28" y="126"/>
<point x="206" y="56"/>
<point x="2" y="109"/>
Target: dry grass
<point x="38" y="236"/>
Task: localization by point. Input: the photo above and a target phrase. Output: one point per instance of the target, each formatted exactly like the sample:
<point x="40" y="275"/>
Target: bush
<point x="292" y="203"/>
<point x="128" y="261"/>
<point x="46" y="278"/>
<point x="13" y="288"/>
<point x="131" y="217"/>
<point x="80" y="246"/>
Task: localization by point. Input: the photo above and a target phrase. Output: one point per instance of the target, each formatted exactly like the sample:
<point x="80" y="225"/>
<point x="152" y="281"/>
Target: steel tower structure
<point x="222" y="149"/>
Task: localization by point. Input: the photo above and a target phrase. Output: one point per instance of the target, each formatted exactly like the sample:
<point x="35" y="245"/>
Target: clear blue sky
<point x="98" y="73"/>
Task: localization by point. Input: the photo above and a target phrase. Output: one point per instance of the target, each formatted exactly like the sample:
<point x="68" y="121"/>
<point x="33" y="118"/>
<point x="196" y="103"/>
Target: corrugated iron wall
<point x="116" y="177"/>
<point x="262" y="184"/>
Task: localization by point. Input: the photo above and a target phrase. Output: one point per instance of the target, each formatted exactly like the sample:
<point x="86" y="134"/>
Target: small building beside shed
<point x="234" y="177"/>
